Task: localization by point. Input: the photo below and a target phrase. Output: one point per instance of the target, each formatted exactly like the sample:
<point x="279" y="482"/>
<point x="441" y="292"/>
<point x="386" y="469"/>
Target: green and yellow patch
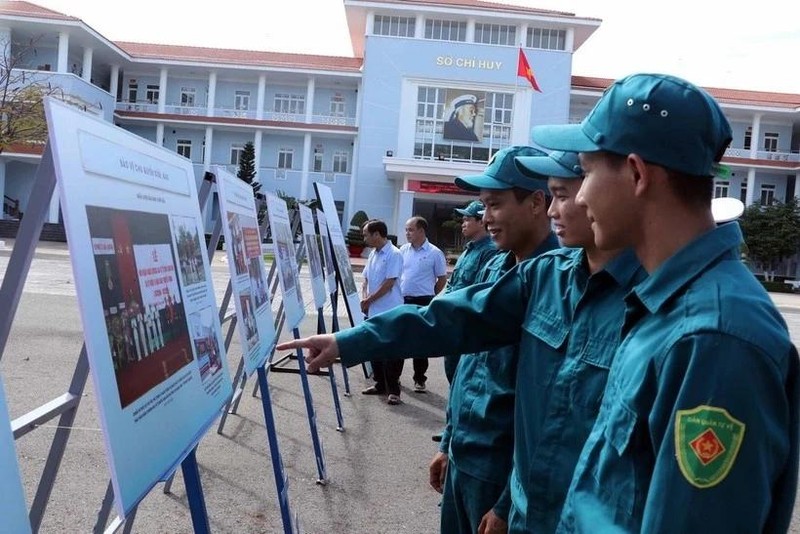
<point x="707" y="441"/>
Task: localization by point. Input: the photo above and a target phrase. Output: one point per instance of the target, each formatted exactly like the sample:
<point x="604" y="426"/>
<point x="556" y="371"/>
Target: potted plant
<point x="354" y="237"/>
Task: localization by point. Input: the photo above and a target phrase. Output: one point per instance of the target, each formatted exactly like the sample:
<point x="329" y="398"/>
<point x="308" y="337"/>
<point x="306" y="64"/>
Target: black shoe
<point x="372" y="390"/>
<point x="419" y="387"/>
<point x="437" y="438"/>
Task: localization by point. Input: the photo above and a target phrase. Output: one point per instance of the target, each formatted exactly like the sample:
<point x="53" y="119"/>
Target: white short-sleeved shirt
<point x="421" y="267"/>
<point x="381" y="265"/>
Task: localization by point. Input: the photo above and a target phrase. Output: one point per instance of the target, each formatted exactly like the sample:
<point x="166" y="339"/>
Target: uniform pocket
<point x="551" y="329"/>
<point x="615" y="471"/>
<point x="591" y="374"/>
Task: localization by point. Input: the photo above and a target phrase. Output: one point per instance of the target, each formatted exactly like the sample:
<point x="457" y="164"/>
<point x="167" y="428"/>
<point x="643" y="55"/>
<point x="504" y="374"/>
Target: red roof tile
<point x="26" y="9"/>
<point x="240" y="57"/>
<point x="728" y="96"/>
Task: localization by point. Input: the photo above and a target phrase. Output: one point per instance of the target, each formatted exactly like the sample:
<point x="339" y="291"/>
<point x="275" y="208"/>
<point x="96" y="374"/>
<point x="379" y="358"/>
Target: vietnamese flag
<point x="524" y="70"/>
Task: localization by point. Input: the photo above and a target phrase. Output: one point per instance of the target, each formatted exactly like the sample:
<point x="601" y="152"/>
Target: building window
<point x="285" y="157"/>
<point x="152" y="94"/>
<point x="497" y="34"/>
<point x="337" y="105"/>
<point x="771" y="142"/>
<point x="547" y="38"/>
<point x="132" y="88"/>
<point x="241" y="100"/>
<point x="185" y="148"/>
<point x="446" y="30"/>
<point x="318" y="160"/>
<point x="767" y="194"/>
<point x="748" y="137"/>
<point x="721" y="189"/>
<point x="236" y="153"/>
<point x="287" y="103"/>
<point x="340" y="162"/>
<point x="393" y="26"/>
<point x="187" y="96"/>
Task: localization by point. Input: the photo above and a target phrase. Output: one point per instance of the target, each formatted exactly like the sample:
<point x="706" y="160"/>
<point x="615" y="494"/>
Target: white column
<point x="750" y="194"/>
<point x="470" y="39"/>
<point x="351" y="191"/>
<point x="113" y="82"/>
<point x="86" y="72"/>
<point x="209" y="146"/>
<point x="160" y="133"/>
<point x="212" y="92"/>
<point x="522" y="38"/>
<point x="306" y="159"/>
<point x="257" y="150"/>
<point x="310" y="99"/>
<point x="569" y="41"/>
<point x="63" y="53"/>
<point x="262" y="89"/>
<point x="405" y="209"/>
<point x="370" y="23"/>
<point x="162" y="91"/>
<point x="358" y="103"/>
<point x="755" y="137"/>
<point x="419" y="27"/>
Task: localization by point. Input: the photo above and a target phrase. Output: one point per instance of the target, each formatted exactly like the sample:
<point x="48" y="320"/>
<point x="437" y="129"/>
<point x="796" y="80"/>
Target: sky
<point x="709" y="42"/>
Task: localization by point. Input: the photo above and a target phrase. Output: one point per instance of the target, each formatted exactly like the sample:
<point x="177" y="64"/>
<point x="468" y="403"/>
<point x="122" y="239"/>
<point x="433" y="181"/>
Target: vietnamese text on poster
<point x="144" y="290"/>
<point x="312" y="255"/>
<point x="283" y="247"/>
<point x="246" y="265"/>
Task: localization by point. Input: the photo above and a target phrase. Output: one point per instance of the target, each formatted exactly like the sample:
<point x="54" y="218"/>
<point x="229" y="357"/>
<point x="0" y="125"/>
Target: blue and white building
<point x="371" y="126"/>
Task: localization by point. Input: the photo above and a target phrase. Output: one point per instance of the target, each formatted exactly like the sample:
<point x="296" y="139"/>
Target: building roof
<point x="240" y="57"/>
<point x="728" y="96"/>
<point x="26" y="9"/>
<point x="481" y="5"/>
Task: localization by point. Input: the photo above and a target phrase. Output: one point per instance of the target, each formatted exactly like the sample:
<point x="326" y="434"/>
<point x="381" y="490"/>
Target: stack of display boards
<point x="144" y="289"/>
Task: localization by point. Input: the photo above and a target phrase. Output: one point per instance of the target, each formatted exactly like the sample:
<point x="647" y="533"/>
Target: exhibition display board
<point x="286" y="260"/>
<point x="13" y="512"/>
<point x="248" y="275"/>
<point x="325" y="243"/>
<point x="312" y="255"/>
<point x="144" y="289"/>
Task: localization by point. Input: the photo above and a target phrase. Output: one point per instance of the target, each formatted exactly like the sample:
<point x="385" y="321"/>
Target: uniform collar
<point x="687" y="264"/>
<point x="622" y="268"/>
<point x="424" y="246"/>
<point x="478" y="242"/>
<point x="550" y="243"/>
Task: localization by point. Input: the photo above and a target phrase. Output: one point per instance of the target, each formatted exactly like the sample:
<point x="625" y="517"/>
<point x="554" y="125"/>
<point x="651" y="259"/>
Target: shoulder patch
<point x="707" y="441"/>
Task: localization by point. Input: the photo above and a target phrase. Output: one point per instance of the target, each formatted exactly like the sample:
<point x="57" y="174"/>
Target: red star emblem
<point x="707" y="447"/>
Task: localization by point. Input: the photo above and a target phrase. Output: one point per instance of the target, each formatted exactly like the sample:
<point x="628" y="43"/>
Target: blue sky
<point x="708" y="42"/>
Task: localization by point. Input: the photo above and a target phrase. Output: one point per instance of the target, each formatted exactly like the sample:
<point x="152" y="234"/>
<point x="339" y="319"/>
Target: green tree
<point x="247" y="167"/>
<point x="771" y="233"/>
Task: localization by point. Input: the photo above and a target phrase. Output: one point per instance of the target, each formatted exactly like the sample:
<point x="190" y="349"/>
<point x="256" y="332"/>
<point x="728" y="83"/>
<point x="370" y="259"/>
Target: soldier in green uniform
<point x="564" y="309"/>
<point x="698" y="429"/>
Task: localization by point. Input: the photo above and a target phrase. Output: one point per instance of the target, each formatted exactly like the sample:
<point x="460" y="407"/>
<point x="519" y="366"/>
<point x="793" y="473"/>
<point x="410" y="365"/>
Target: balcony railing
<point x="763" y="155"/>
<point x="144" y="106"/>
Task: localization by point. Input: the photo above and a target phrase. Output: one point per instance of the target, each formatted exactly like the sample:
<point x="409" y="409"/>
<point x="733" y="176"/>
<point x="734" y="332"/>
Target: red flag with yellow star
<point x="524" y="70"/>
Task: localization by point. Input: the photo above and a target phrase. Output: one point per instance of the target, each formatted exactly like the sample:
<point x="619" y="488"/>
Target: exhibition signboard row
<point x="143" y="281"/>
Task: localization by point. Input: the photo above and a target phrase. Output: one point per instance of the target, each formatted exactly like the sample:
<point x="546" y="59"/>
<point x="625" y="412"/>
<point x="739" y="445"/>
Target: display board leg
<point x="281" y="482"/>
<point x="332" y="375"/>
<point x="334" y="329"/>
<point x="312" y="417"/>
<point x="194" y="493"/>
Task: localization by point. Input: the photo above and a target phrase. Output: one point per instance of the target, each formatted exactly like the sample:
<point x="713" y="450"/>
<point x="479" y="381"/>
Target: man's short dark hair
<point x="419" y="222"/>
<point x="376" y="225"/>
<point x="521" y="194"/>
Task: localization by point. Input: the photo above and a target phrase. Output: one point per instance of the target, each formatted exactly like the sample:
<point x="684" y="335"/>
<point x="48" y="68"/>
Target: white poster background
<point x="13" y="513"/>
<point x="341" y="254"/>
<point x="154" y="406"/>
<point x="283" y="247"/>
<point x="329" y="267"/>
<point x="315" y="267"/>
<point x="237" y="203"/>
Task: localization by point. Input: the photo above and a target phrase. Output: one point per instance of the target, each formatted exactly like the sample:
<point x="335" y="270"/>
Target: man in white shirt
<point x="380" y="292"/>
<point x="424" y="276"/>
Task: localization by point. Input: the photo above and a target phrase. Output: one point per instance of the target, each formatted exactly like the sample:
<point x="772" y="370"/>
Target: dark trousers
<point x="387" y="375"/>
<point x="420" y="364"/>
<point x="465" y="501"/>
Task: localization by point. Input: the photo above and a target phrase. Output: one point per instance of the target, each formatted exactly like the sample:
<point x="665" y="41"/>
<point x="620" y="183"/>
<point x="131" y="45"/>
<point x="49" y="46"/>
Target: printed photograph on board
<point x="345" y="270"/>
<point x="142" y="302"/>
<point x="463" y="115"/>
<point x="206" y="344"/>
<point x="237" y="243"/>
<point x="189" y="250"/>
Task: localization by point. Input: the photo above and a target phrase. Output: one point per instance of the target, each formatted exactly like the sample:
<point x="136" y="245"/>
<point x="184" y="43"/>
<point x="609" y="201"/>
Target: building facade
<point x="430" y="93"/>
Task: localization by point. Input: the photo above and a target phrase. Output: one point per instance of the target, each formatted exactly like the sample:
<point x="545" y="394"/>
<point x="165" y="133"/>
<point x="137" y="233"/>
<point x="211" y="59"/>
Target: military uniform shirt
<point x="698" y="427"/>
<point x="560" y="377"/>
<point x="475" y="257"/>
